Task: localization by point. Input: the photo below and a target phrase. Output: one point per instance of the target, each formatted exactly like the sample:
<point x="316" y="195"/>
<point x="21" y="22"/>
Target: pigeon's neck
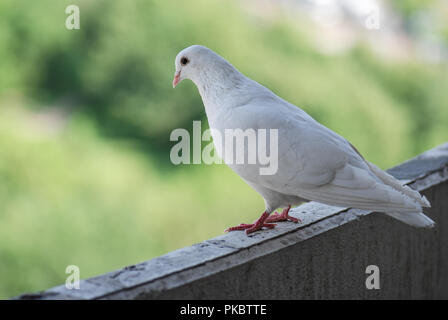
<point x="221" y="87"/>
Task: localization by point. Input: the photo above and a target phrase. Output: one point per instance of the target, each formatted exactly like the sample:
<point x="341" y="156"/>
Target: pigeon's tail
<point x="395" y="184"/>
<point x="417" y="219"/>
<point x="357" y="188"/>
<point x="413" y="218"/>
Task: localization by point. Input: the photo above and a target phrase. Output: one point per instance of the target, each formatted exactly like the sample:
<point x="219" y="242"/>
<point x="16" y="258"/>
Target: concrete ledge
<point x="325" y="257"/>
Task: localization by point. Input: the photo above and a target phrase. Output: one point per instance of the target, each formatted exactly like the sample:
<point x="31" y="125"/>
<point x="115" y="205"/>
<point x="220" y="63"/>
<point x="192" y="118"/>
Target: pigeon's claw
<point x="284" y="216"/>
<point x="252" y="227"/>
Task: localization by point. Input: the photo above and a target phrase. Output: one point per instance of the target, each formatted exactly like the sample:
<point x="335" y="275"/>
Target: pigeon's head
<point x="192" y="61"/>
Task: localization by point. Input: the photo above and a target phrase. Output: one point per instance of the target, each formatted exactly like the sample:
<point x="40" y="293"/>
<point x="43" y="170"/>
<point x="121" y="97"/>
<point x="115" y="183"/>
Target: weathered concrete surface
<point x="323" y="258"/>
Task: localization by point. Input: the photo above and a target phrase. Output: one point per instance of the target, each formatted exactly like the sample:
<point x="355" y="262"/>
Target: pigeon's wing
<point x="317" y="164"/>
<point x="336" y="174"/>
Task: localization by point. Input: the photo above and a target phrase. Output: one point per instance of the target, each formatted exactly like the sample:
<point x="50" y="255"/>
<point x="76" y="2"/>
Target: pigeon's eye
<point x="184" y="61"/>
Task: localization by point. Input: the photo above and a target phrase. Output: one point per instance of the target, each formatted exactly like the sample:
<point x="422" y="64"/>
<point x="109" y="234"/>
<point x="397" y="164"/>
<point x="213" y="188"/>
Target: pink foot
<point x="284" y="216"/>
<point x="252" y="227"/>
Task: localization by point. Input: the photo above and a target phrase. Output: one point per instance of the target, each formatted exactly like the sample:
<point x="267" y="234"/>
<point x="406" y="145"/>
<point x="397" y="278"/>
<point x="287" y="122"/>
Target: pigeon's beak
<point x="176" y="79"/>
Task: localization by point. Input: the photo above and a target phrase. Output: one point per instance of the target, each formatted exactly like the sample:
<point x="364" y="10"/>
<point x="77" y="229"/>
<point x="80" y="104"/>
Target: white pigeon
<point x="314" y="163"/>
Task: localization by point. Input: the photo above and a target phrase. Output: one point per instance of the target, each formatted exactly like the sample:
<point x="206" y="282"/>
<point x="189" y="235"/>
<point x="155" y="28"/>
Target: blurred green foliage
<point x="85" y="118"/>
